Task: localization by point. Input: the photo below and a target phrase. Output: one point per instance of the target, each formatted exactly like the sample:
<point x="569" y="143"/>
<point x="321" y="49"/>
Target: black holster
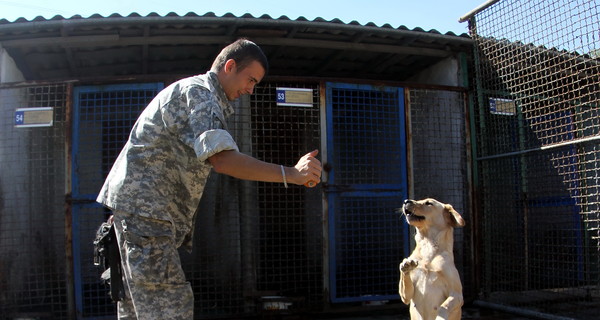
<point x="108" y="258"/>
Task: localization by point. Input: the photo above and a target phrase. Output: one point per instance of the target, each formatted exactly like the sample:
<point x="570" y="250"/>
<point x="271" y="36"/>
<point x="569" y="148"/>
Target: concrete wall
<point x="445" y="73"/>
<point x="8" y="69"/>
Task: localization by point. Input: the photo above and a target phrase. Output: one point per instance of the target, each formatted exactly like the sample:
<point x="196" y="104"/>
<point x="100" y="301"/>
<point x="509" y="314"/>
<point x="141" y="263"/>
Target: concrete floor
<point x="468" y="314"/>
<point x="399" y="314"/>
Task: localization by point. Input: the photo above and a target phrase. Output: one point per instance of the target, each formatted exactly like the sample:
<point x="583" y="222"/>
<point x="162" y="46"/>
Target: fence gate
<point x="103" y="117"/>
<point x="367" y="182"/>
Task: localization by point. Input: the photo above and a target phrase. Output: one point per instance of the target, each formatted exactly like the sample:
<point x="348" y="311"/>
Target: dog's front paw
<point x="408" y="264"/>
<point x="443" y="314"/>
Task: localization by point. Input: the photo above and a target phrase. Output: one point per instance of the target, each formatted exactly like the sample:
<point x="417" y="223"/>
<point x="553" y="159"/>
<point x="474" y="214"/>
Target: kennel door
<point x="102" y="119"/>
<point x="366" y="163"/>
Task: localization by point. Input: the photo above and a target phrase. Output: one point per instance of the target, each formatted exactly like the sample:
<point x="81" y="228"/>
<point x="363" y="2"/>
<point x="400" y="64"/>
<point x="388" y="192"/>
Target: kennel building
<point x="386" y="107"/>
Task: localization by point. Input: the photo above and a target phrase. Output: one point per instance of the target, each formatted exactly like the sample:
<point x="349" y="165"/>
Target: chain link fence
<point x="536" y="124"/>
<point x="34" y="280"/>
<point x="255" y="243"/>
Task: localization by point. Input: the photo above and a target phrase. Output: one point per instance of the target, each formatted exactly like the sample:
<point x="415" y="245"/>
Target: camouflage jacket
<point x="163" y="167"/>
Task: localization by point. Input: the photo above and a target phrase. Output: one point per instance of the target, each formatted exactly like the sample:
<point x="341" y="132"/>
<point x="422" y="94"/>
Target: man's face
<point x="237" y="82"/>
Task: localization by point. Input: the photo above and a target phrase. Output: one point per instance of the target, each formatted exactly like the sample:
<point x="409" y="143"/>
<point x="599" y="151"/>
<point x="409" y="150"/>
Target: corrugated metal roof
<point x="97" y="46"/>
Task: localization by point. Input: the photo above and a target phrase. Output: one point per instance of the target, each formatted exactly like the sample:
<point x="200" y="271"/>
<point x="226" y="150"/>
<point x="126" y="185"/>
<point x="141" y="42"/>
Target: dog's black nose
<point x="407" y="201"/>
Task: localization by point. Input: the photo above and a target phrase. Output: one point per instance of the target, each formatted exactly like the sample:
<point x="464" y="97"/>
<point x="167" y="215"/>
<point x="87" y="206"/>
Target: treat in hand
<point x="310" y="184"/>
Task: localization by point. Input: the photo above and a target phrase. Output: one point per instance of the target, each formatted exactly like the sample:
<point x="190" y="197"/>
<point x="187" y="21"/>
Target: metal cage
<point x="255" y="243"/>
<point x="537" y="132"/>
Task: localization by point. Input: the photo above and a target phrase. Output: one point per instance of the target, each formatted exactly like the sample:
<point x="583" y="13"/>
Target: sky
<point x="441" y="15"/>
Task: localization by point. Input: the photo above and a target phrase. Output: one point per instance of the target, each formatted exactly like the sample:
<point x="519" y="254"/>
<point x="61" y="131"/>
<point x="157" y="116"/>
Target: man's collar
<point x="220" y="93"/>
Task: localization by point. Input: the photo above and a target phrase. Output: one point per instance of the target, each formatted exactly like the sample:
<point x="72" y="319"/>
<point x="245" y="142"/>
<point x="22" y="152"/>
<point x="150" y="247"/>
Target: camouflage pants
<point x="155" y="285"/>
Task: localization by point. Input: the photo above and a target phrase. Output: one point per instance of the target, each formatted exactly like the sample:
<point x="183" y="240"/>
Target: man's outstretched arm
<point x="242" y="166"/>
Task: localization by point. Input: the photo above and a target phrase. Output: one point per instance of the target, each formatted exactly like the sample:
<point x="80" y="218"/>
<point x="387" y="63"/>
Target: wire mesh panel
<point x="103" y="118"/>
<point x="33" y="259"/>
<point x="440" y="159"/>
<point x="289" y="255"/>
<point x="258" y="243"/>
<point x="438" y="136"/>
<point x="537" y="126"/>
<point x="252" y="240"/>
<point x="367" y="182"/>
<point x="218" y="267"/>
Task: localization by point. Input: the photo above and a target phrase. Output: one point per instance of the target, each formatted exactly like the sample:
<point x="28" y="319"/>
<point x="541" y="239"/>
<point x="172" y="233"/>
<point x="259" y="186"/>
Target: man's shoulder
<point x="197" y="81"/>
<point x="192" y="87"/>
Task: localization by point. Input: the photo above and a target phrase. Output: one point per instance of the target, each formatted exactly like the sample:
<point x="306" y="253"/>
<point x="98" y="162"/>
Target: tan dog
<point x="429" y="280"/>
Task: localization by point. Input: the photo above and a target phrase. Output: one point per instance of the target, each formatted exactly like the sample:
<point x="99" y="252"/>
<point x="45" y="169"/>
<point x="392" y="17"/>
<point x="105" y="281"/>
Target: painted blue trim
<point x="120" y="87"/>
<point x="75" y="236"/>
<point x="81" y="201"/>
<point x="336" y="192"/>
<point x="75" y="141"/>
<point x="404" y="168"/>
<point x="331" y="199"/>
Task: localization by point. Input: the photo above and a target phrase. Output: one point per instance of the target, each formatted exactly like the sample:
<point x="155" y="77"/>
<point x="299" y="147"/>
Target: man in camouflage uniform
<point x="155" y="184"/>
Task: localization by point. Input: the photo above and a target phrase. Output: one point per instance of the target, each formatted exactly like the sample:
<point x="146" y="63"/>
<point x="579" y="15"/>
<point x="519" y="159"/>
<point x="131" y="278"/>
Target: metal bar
<point x="23" y="84"/>
<point x="409" y="145"/>
<point x="376" y="83"/>
<point x="74" y="221"/>
<point x="479" y="104"/>
<point x="70" y="284"/>
<point x="475" y="11"/>
<point x="325" y="179"/>
<point x="543" y="148"/>
<point x="472" y="173"/>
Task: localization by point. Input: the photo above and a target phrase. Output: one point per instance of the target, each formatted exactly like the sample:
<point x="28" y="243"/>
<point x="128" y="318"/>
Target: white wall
<point x="445" y="73"/>
<point x="8" y="69"/>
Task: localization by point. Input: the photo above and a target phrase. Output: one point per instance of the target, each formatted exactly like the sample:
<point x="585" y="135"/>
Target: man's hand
<point x="308" y="170"/>
<point x="241" y="166"/>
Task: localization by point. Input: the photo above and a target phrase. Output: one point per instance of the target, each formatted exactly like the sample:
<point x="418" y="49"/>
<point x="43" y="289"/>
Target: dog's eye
<point x="428" y="203"/>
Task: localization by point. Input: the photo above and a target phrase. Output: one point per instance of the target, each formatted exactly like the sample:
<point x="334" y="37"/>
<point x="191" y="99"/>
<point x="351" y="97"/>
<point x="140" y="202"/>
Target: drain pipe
<point x="518" y="311"/>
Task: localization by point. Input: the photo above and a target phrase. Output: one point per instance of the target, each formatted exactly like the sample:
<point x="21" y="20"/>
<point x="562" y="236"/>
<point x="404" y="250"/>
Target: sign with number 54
<point x="34" y="117"/>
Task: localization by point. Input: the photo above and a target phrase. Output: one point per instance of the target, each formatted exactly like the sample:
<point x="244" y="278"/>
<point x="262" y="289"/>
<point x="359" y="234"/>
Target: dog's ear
<point x="455" y="219"/>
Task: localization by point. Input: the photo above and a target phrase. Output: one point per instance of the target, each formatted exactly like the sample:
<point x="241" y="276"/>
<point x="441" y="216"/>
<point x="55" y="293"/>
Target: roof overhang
<point x="80" y="48"/>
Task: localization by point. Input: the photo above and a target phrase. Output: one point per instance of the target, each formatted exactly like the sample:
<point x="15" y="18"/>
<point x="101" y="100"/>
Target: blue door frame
<point x="102" y="119"/>
<point x="367" y="181"/>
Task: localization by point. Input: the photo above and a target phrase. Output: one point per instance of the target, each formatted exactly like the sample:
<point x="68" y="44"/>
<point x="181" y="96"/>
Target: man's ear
<point x="229" y="66"/>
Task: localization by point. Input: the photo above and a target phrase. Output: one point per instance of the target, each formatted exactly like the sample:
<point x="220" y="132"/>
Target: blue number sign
<point x="19" y="118"/>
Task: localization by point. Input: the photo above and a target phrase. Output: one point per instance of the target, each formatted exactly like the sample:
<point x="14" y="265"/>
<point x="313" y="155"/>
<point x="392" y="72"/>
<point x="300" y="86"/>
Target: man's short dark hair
<point x="243" y="51"/>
